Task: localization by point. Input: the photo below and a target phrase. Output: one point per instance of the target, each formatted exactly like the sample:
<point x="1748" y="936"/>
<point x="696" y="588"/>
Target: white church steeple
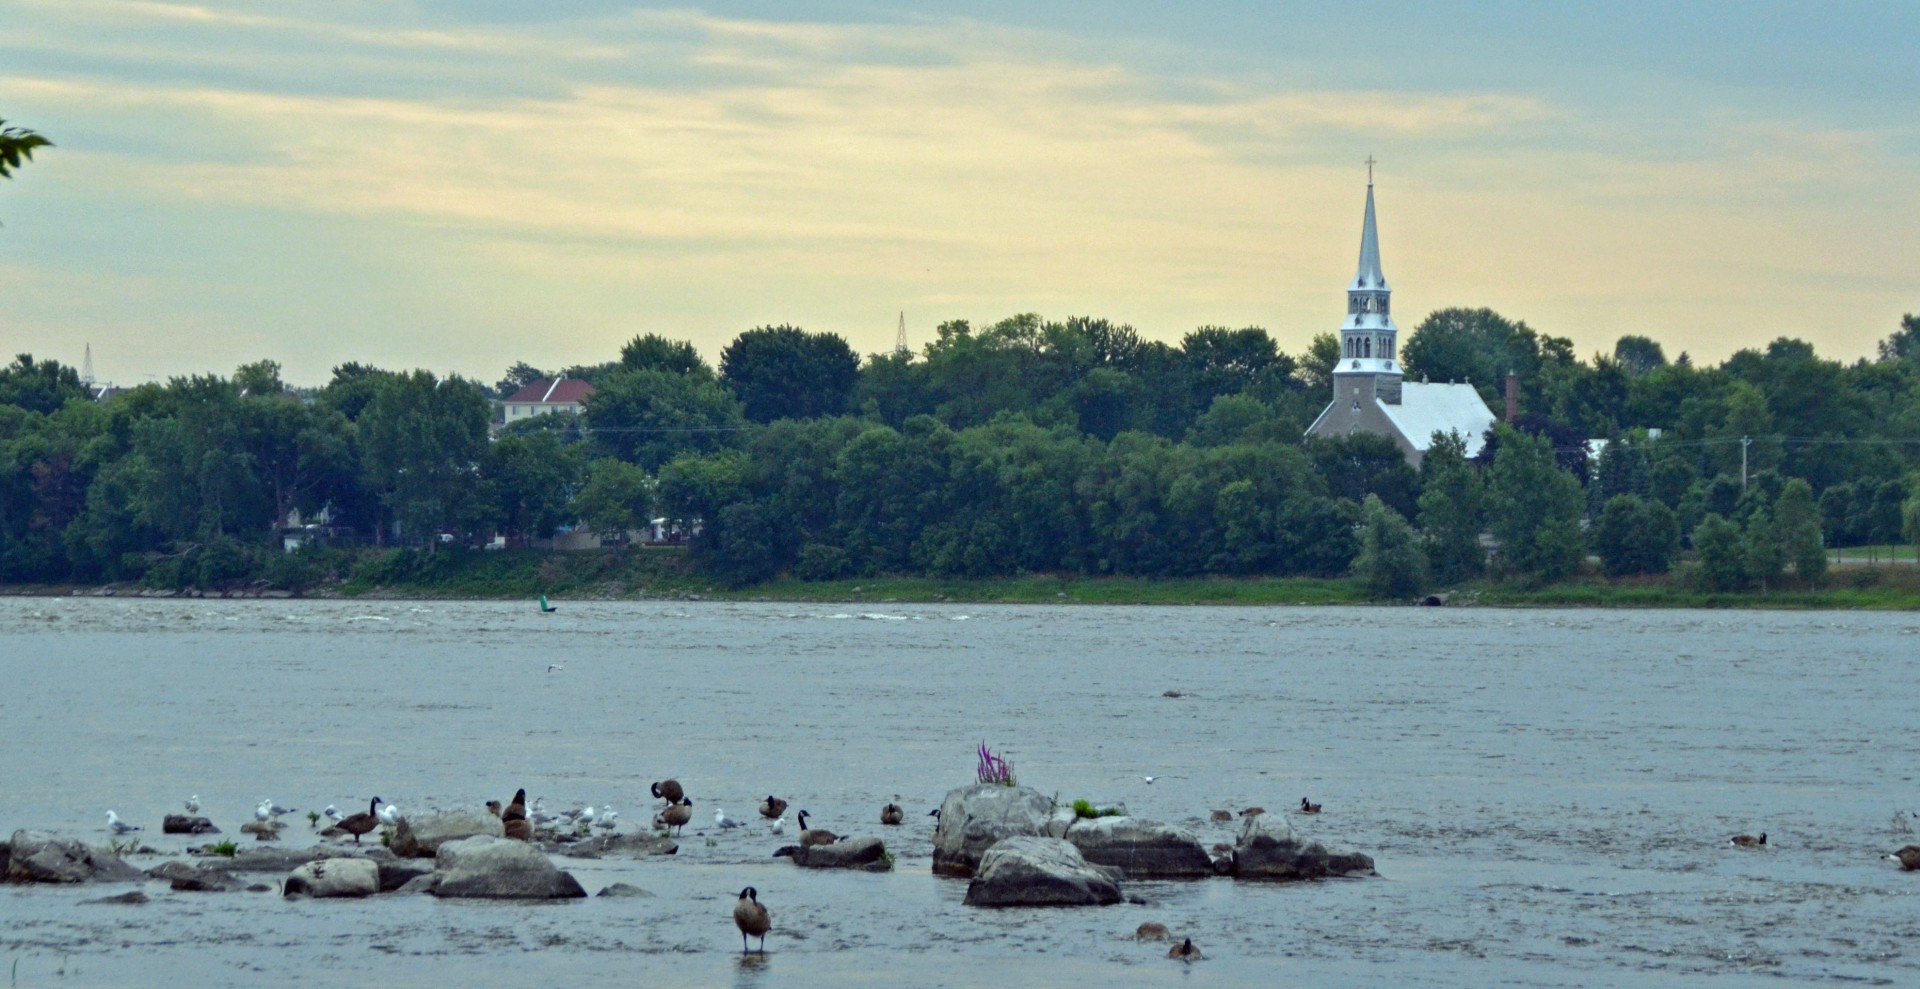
<point x="1369" y="340"/>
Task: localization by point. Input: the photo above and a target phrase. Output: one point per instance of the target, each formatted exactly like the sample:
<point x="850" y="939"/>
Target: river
<point x="1547" y="794"/>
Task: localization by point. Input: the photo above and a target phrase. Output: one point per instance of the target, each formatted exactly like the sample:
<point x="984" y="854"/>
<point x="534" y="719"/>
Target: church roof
<point x="1428" y="408"/>
<point x="1369" y="276"/>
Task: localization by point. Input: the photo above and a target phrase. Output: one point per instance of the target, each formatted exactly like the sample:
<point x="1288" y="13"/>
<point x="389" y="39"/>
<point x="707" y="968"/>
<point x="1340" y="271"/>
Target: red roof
<point x="547" y="391"/>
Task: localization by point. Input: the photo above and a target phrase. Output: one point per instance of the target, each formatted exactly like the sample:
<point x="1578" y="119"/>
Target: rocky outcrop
<point x="44" y="857"/>
<point x="397" y="873"/>
<point x="973" y="818"/>
<point x="494" y="868"/>
<point x="626" y="891"/>
<point x="866" y="854"/>
<point x="133" y="898"/>
<point x="635" y="844"/>
<point x="1141" y="849"/>
<point x="1039" y="872"/>
<point x="334" y="878"/>
<point x="187" y="877"/>
<point x="1268" y="849"/>
<point x="182" y="824"/>
<point x="422" y="836"/>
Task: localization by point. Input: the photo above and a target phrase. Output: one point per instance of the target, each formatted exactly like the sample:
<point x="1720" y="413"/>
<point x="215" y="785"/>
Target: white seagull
<point x="779" y="825"/>
<point x="607" y="815"/>
<point x="721" y="819"/>
<point x="264" y="812"/>
<point x="332" y="813"/>
<point x="586" y="815"/>
<point x="388" y="815"/>
<point x="119" y="826"/>
<point x="193" y="804"/>
<point x="274" y="809"/>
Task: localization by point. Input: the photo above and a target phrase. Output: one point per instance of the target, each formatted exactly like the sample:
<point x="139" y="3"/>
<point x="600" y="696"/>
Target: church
<point x="1368" y="393"/>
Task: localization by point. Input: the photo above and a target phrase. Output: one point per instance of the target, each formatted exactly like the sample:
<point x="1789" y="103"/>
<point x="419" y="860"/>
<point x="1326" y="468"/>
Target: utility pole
<point x="1745" y="441"/>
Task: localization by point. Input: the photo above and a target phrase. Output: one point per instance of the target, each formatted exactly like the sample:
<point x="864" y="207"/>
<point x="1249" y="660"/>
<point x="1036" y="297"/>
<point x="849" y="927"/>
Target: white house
<point x="547" y="395"/>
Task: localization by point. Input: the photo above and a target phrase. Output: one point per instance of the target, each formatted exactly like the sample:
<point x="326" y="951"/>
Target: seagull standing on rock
<point x="193" y="804"/>
<point x="273" y="809"/>
<point x="119" y="826"/>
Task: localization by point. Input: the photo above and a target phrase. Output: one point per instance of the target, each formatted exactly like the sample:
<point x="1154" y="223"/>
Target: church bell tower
<point x="1369" y="360"/>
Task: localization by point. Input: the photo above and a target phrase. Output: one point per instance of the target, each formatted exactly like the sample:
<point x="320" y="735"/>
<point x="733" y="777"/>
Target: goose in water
<point x="1307" y="808"/>
<point x="721" y="820"/>
<point x="892" y="814"/>
<point x="772" y="806"/>
<point x="1184" y="951"/>
<point x="752" y="919"/>
<point x="815" y="836"/>
<point x="1908" y="857"/>
<point x="669" y="790"/>
<point x="118" y="826"/>
<point x="388" y="815"/>
<point x="193" y="804"/>
<point x="361" y="823"/>
<point x="677" y="816"/>
<point x="1749" y="841"/>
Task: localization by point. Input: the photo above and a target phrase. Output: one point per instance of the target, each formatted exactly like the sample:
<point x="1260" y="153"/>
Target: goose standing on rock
<point x="772" y="806"/>
<point x="359" y="824"/>
<point x="669" y="790"/>
<point x="677" y="816"/>
<point x="815" y="836"/>
<point x="752" y="918"/>
<point x="892" y="814"/>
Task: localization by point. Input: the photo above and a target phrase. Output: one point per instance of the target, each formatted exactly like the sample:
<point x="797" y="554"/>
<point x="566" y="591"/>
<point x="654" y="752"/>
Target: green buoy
<point x="545" y="607"/>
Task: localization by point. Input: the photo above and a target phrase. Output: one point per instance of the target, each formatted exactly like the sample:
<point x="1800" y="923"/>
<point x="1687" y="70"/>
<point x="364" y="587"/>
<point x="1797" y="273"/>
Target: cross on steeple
<point x="1369" y="169"/>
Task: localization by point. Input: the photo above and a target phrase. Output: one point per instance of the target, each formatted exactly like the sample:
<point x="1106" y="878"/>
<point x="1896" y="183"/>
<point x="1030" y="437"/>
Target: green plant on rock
<point x="225" y="848"/>
<point x="1086" y="809"/>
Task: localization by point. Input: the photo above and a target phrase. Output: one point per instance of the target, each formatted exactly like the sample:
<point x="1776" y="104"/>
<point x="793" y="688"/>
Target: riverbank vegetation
<point x="1121" y="469"/>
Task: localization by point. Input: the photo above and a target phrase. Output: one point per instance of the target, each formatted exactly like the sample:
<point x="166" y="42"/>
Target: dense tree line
<point x="1024" y="446"/>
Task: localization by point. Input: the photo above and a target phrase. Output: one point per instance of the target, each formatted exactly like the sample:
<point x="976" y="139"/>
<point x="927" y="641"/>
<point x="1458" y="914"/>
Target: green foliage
<point x="652" y="352"/>
<point x="1534" y="507"/>
<point x="1636" y="536"/>
<point x="1722" y="552"/>
<point x="16" y="147"/>
<point x="647" y="417"/>
<point x="1086" y="810"/>
<point x="42" y="386"/>
<point x="1452" y="510"/>
<point x="423" y="441"/>
<point x="616" y="498"/>
<point x="1391" y="563"/>
<point x="782" y="372"/>
<point x="1764" y="559"/>
<point x="224" y="847"/>
<point x="1796" y="527"/>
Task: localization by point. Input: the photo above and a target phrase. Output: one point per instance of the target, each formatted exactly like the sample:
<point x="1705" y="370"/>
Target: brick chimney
<point x="1513" y="397"/>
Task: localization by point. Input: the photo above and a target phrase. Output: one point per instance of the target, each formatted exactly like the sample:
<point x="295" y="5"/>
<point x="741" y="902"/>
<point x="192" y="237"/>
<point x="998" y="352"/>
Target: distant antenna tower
<point x="900" y="338"/>
<point x="86" y="367"/>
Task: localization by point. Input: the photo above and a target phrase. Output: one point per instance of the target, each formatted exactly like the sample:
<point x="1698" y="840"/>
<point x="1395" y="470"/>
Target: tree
<point x="1390" y="563"/>
<point x="1316" y="366"/>
<point x="1722" y="551"/>
<point x="649" y="417"/>
<point x="1901" y="344"/>
<point x="526" y="483"/>
<point x="1636" y="536"/>
<point x="520" y="375"/>
<point x="423" y="439"/>
<point x="1796" y="525"/>
<point x="1452" y="510"/>
<point x="1360" y="464"/>
<point x="1639" y="355"/>
<point x="783" y="372"/>
<point x="1910" y="521"/>
<point x="260" y="379"/>
<point x="1764" y="559"/>
<point x="616" y="499"/>
<point x="653" y="352"/>
<point x="1535" y="507"/>
<point x="39" y="386"/>
<point x="16" y="147"/>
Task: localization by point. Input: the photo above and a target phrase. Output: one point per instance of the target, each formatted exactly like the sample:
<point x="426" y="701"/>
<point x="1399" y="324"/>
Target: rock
<point x="44" y="857"/>
<point x="1039" y="872"/>
<point x="288" y="859"/>
<point x="421" y="837"/>
<point x="396" y="874"/>
<point x="636" y="844"/>
<point x="1268" y="849"/>
<point x="418" y="884"/>
<point x="333" y="878"/>
<point x="208" y="881"/>
<point x="972" y="818"/>
<point x="182" y="824"/>
<point x="1141" y="849"/>
<point x="492" y="867"/>
<point x="263" y="830"/>
<point x="624" y="890"/>
<point x="132" y="898"/>
<point x="866" y="854"/>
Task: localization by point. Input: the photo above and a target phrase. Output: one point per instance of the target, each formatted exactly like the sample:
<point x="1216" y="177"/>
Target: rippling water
<point x="1548" y="794"/>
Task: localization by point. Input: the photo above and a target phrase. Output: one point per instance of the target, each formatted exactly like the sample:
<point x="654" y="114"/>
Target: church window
<point x="1366" y="347"/>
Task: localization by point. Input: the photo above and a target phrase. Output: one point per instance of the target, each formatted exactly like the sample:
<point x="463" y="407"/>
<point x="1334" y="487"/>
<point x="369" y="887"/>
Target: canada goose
<point x="752" y="919"/>
<point x="1223" y="815"/>
<point x="494" y="808"/>
<point x="1749" y="841"/>
<point x="359" y="824"/>
<point x="119" y="826"/>
<point x="1253" y="812"/>
<point x="815" y="836"/>
<point x="1184" y="951"/>
<point x="1307" y="808"/>
<point x="669" y="790"/>
<point x="892" y="814"/>
<point x="519" y="829"/>
<point x="772" y="806"/>
<point x="677" y="816"/>
<point x="516" y="809"/>
<point x="1908" y="857"/>
<point x="1151" y="931"/>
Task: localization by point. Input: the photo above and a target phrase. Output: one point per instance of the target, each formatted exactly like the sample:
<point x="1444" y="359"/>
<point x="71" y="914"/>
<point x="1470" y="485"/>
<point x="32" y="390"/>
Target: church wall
<point x="1342" y="419"/>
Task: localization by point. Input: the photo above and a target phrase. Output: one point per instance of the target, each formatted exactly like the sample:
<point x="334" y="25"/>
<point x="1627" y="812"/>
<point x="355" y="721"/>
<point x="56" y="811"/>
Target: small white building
<point x="547" y="395"/>
<point x="1369" y="395"/>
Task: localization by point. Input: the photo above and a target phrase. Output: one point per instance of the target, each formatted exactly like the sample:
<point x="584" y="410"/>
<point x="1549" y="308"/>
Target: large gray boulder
<point x="1141" y="849"/>
<point x="45" y="857"/>
<point x="422" y="836"/>
<point x="972" y="818"/>
<point x="334" y="878"/>
<point x="867" y="854"/>
<point x="1268" y="849"/>
<point x="1039" y="872"/>
<point x="498" y="869"/>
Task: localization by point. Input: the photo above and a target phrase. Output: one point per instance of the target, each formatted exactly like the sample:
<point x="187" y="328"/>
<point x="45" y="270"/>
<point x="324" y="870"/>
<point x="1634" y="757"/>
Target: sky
<point x="462" y="184"/>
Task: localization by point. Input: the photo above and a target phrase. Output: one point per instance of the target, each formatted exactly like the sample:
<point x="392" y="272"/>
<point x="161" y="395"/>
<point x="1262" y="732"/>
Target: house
<point x="546" y="395"/>
<point x="1368" y="393"/>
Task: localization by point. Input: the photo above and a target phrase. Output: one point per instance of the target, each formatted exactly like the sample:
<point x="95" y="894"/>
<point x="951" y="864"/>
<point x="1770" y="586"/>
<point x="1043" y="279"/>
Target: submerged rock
<point x="1268" y="849"/>
<point x="624" y="891"/>
<point x="133" y="898"/>
<point x="182" y="824"/>
<point x="495" y="868"/>
<point x="422" y="836"/>
<point x="973" y="818"/>
<point x="867" y="854"/>
<point x="334" y="878"/>
<point x="1040" y="872"/>
<point x="1141" y="849"/>
<point x="45" y="857"/>
<point x="636" y="844"/>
